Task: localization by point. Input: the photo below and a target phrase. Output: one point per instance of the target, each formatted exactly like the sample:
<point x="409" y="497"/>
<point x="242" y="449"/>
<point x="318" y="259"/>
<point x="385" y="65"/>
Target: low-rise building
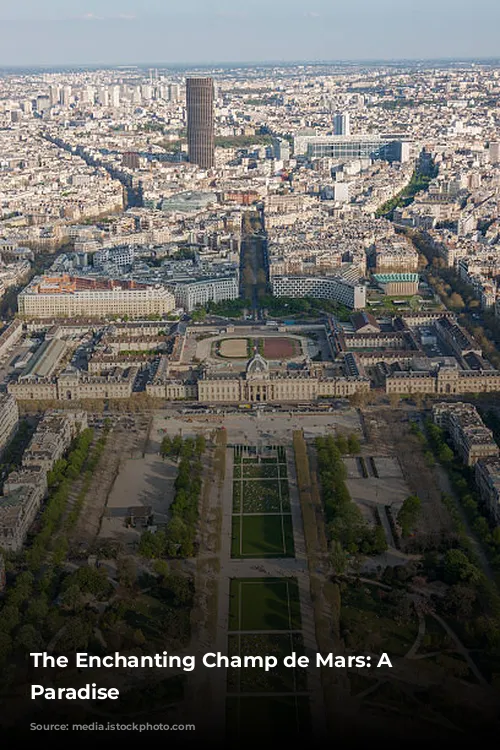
<point x="470" y="437"/>
<point x="9" y="418"/>
<point x="25" y="489"/>
<point x="17" y="512"/>
<point x="53" y="438"/>
<point x="487" y="476"/>
<point x="444" y="381"/>
<point x="71" y="296"/>
<point x="194" y="294"/>
<point x="392" y="284"/>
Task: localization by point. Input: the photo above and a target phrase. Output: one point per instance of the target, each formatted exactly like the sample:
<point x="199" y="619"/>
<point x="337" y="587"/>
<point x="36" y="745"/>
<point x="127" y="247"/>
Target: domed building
<point x="256" y="367"/>
<point x="258" y="384"/>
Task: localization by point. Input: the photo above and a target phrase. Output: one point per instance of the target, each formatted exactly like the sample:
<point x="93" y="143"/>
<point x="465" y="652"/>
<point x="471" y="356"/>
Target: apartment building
<point x="9" y="418"/>
<point x="444" y="381"/>
<point x="334" y="288"/>
<point x="193" y="294"/>
<point x="53" y="438"/>
<point x="69" y="296"/>
<point x="470" y="437"/>
<point x="24" y="490"/>
<point x="487" y="477"/>
<point x="17" y="512"/>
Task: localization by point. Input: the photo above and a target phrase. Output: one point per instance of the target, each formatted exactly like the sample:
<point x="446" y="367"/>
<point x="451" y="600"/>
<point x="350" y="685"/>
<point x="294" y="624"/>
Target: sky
<point x="79" y="32"/>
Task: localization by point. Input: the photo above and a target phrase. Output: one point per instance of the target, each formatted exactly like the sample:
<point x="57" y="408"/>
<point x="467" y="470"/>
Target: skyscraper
<point x="200" y="121"/>
<point x="341" y="124"/>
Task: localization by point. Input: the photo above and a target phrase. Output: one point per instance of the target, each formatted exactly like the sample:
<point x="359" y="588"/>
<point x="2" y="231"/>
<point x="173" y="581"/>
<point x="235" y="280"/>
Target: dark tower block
<point x="200" y="121"/>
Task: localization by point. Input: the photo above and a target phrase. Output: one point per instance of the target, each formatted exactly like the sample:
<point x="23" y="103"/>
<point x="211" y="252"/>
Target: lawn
<point x="237" y="497"/>
<point x="260" y="489"/>
<point x="372" y="623"/>
<point x="264" y="604"/>
<point x="281" y="679"/>
<point x="261" y="497"/>
<point x="269" y="719"/>
<point x="261" y="471"/>
<point x="262" y="536"/>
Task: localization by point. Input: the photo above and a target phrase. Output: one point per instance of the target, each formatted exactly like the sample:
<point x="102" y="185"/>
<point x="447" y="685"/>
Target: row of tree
<point x="178" y="538"/>
<point x="347" y="530"/>
<point x="463" y="483"/>
<point x="303" y="306"/>
<point x="29" y="614"/>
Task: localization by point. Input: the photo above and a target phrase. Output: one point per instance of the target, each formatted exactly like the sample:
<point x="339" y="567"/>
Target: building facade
<point x="470" y="437"/>
<point x="487" y="477"/>
<point x="193" y="294"/>
<point x="9" y="418"/>
<point x="200" y="121"/>
<point x="335" y="288"/>
<point x="25" y="489"/>
<point x="352" y="147"/>
<point x="68" y="296"/>
<point x="445" y="381"/>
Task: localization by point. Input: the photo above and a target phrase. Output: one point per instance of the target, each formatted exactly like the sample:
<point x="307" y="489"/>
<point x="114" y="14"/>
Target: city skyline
<point x="109" y="32"/>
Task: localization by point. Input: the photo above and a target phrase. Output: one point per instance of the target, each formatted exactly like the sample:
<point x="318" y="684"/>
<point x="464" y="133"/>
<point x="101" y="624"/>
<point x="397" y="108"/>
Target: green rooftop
<point x="386" y="278"/>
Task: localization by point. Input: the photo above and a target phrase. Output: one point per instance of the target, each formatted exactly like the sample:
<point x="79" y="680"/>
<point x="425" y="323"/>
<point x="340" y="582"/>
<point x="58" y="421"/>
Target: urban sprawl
<point x="251" y="316"/>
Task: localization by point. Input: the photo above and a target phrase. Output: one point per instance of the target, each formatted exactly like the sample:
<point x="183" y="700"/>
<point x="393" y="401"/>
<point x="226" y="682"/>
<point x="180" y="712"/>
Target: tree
<point x="127" y="571"/>
<point x="177" y="535"/>
<point x="408" y="514"/>
<point x="166" y="446"/>
<point x="161" y="568"/>
<point x="394" y="400"/>
<point x="342" y="443"/>
<point x="459" y="601"/>
<point x="180" y="588"/>
<point x="9" y="618"/>
<point x="72" y="598"/>
<point x="152" y="545"/>
<point x="456" y="302"/>
<point x="28" y="639"/>
<point x="89" y="580"/>
<point x="358" y="399"/>
<point x="198" y="315"/>
<point x="76" y="635"/>
<point x="445" y="454"/>
<point x="176" y="445"/>
<point x="200" y="444"/>
<point x="338" y="558"/>
<point x="38" y="610"/>
<point x="5" y="646"/>
<point x="458" y="568"/>
<point x="139" y="637"/>
<point x="353" y="444"/>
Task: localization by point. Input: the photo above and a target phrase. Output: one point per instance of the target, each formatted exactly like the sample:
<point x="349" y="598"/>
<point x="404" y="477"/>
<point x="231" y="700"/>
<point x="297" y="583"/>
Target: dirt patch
<point x="281" y="348"/>
<point x="394" y="435"/>
<point x="234" y="348"/>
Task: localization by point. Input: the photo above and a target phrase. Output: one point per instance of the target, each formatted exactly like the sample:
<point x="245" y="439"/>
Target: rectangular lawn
<point x="264" y="536"/>
<point x="278" y="720"/>
<point x="264" y="604"/>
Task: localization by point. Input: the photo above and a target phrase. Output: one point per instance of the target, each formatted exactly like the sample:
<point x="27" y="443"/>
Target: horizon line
<point x="252" y="63"/>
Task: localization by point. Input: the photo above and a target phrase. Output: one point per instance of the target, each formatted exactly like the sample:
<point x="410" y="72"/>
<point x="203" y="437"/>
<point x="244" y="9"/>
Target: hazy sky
<point x="58" y="32"/>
